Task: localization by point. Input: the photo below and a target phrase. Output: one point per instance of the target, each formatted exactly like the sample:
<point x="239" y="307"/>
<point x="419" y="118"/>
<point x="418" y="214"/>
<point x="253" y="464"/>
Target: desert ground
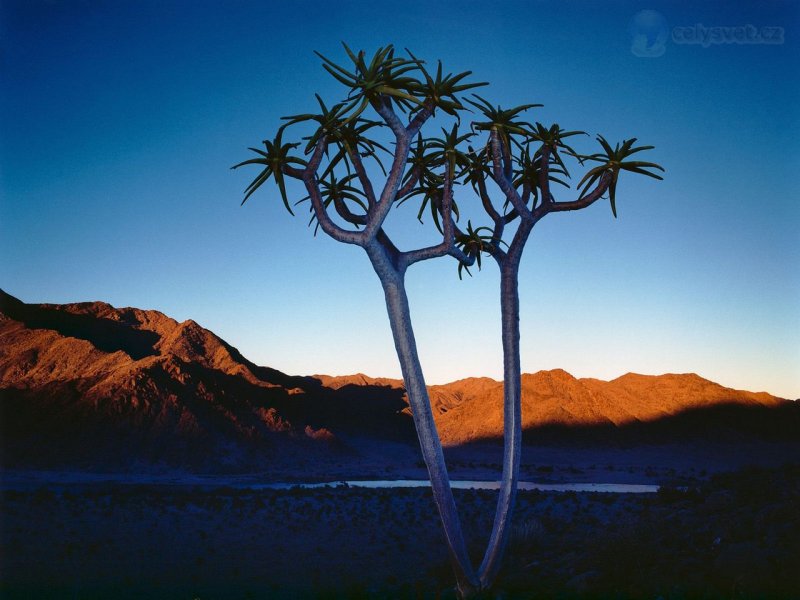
<point x="135" y="450"/>
<point x="707" y="533"/>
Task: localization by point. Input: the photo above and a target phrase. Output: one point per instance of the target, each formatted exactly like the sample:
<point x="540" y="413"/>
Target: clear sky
<point x="119" y="121"/>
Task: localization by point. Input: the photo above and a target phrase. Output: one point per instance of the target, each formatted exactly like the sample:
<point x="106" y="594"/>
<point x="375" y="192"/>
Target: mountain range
<point x="88" y="384"/>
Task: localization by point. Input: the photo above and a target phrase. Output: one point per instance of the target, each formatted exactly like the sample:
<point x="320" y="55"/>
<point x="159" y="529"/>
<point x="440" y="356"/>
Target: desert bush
<point x="670" y="494"/>
<point x="527" y="536"/>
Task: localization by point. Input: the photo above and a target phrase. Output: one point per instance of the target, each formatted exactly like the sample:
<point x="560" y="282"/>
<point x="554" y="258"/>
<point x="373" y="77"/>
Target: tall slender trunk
<point x="405" y="344"/>
<point x="512" y="421"/>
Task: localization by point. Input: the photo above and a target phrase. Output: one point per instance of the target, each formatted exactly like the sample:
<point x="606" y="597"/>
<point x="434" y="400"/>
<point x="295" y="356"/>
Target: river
<point x="32" y="480"/>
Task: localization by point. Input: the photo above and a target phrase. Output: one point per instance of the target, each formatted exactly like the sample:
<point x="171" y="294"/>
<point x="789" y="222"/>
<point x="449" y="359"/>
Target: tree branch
<point x="312" y="186"/>
<point x="293" y="172"/>
<point x="366" y="184"/>
<point x="412" y="181"/>
<point x="402" y="146"/>
<point x="544" y="174"/>
<point x="419" y="119"/>
<point x="504" y="182"/>
<point x="498" y="220"/>
<point x="384" y="108"/>
<point x="391" y="250"/>
<point x="344" y="211"/>
<point x="526" y="193"/>
<point x="515" y="249"/>
<point x="447" y="245"/>
<point x="587" y="200"/>
<point x="506" y="154"/>
<point x="509" y="217"/>
<point x="487" y="202"/>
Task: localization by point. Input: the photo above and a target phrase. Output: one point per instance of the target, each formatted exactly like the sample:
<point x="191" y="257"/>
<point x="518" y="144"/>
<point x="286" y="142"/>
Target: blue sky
<point x="119" y="122"/>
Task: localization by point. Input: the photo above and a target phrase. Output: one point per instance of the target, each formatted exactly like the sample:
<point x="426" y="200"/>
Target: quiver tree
<point x="351" y="209"/>
<point x="522" y="162"/>
<point x="343" y="149"/>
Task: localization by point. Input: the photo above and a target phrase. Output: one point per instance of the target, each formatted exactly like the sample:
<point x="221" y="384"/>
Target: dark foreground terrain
<point x="731" y="536"/>
<point x="129" y="442"/>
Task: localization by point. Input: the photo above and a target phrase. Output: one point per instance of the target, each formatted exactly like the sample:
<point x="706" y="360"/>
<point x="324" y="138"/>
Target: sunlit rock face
<point x="92" y="384"/>
<point x="95" y="384"/>
<point x="473" y="408"/>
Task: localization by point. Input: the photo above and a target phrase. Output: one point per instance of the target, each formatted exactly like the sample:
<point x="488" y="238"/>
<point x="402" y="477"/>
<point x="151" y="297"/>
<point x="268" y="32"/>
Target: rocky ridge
<point x="117" y="384"/>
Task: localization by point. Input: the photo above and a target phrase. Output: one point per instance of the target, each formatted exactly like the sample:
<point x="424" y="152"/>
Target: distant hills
<point x="88" y="384"/>
<point x="471" y="409"/>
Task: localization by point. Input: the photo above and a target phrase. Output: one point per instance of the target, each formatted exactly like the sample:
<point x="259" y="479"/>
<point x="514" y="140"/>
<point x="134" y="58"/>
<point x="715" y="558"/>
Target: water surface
<point x="619" y="488"/>
<point x="31" y="480"/>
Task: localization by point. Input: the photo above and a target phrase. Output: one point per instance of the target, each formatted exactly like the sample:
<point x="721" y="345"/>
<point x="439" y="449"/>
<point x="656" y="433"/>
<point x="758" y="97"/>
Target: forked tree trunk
<point x="512" y="403"/>
<point x="392" y="279"/>
<point x="512" y="423"/>
<point x="405" y="344"/>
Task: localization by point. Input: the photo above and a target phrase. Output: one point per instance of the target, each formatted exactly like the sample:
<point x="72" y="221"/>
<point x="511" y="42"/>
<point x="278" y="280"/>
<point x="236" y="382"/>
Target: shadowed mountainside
<point x="90" y="384"/>
<point x="557" y="400"/>
<point x="555" y="404"/>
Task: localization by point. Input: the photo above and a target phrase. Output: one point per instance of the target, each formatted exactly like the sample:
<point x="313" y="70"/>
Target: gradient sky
<point x="119" y="121"/>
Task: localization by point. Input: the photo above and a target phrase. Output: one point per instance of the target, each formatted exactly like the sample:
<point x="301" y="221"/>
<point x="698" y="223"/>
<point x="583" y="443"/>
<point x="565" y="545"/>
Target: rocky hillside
<point x="473" y="408"/>
<point x="90" y="383"/>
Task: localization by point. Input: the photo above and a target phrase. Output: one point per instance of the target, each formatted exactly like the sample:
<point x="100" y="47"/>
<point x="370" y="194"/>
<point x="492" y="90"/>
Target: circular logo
<point x="649" y="33"/>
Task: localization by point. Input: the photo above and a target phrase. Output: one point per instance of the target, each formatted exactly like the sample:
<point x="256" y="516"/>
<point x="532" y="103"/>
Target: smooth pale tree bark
<point x="509" y="264"/>
<point x="390" y="265"/>
<point x="400" y="320"/>
<point x="512" y="421"/>
<point x="383" y="83"/>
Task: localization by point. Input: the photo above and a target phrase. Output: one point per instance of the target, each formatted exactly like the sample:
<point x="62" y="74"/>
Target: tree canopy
<point x="510" y="168"/>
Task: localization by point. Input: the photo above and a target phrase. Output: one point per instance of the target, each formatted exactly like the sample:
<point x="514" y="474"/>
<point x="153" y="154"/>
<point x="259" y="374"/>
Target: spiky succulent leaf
<point x="474" y="243"/>
<point x="613" y="161"/>
<point x="504" y="121"/>
<point x="275" y="156"/>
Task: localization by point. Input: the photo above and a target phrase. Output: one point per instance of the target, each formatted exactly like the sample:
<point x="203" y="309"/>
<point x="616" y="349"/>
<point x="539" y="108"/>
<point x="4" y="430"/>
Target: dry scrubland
<point x="140" y="396"/>
<point x="733" y="536"/>
<point x="113" y="388"/>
